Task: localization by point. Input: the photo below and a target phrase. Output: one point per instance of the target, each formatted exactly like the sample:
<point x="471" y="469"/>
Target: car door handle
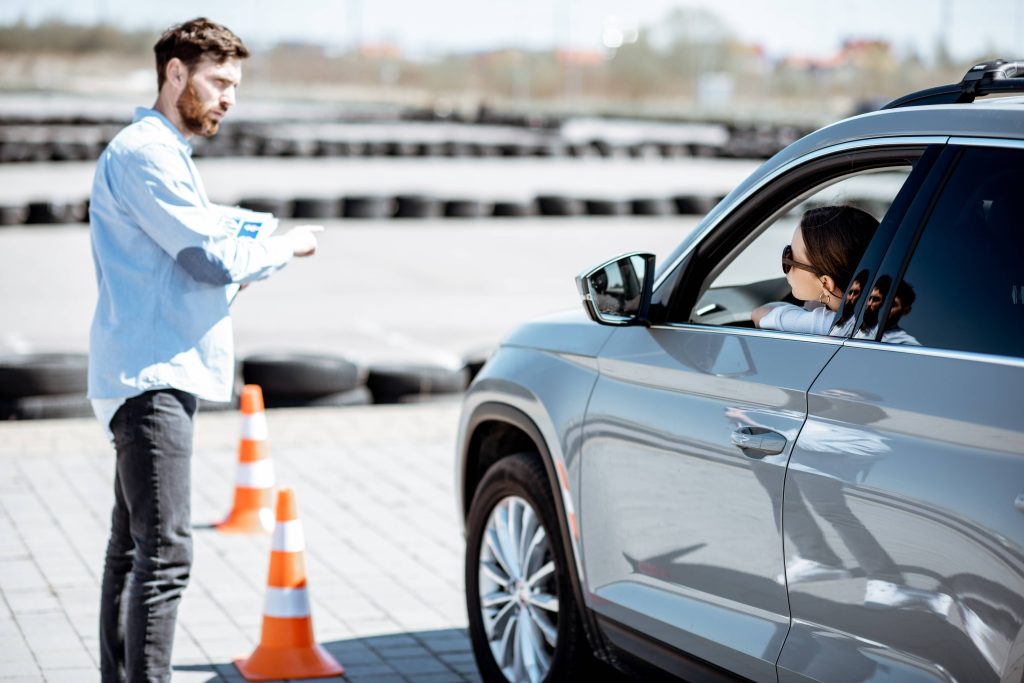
<point x="757" y="442"/>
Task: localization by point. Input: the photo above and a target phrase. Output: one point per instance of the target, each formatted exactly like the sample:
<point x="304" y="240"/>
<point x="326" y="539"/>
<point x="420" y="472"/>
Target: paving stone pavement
<point x="374" y="487"/>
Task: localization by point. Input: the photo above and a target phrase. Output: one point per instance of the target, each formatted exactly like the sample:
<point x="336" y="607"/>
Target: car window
<point x="752" y="275"/>
<point x="964" y="286"/>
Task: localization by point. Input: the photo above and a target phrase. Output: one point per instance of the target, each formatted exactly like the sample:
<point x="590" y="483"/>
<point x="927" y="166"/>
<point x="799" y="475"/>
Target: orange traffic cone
<point x="254" y="481"/>
<point x="287" y="648"/>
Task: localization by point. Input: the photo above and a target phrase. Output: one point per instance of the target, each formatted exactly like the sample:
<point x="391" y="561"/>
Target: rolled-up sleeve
<point x="790" y="318"/>
<point x="160" y="194"/>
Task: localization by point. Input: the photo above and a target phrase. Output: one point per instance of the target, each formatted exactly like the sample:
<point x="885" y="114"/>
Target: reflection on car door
<point x="680" y="525"/>
<point x="908" y="476"/>
<point x="907" y="480"/>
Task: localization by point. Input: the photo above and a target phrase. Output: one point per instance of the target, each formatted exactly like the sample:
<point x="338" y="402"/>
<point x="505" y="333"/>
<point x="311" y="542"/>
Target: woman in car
<point x="819" y="264"/>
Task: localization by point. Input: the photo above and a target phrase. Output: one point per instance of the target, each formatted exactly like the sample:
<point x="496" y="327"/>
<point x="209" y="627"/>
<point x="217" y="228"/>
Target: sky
<point x="813" y="28"/>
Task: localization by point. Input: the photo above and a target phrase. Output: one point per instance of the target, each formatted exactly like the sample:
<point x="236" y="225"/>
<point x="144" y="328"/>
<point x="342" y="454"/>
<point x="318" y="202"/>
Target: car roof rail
<point x="986" y="78"/>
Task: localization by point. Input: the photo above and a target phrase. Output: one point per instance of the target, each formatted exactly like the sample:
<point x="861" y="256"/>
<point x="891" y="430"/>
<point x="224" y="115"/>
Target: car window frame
<point x="904" y="244"/>
<point x="680" y="283"/>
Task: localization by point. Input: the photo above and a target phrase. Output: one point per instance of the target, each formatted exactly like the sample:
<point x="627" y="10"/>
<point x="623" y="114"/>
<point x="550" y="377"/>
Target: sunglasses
<point x="788" y="262"/>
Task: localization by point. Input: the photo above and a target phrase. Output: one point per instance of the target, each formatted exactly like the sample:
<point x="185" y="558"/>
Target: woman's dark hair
<point x="836" y="237"/>
<point x="193" y="40"/>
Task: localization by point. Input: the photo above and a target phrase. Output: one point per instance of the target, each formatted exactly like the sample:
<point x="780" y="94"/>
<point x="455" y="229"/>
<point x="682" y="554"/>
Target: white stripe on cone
<point x="255" y="475"/>
<point x="286" y="603"/>
<point x="254" y="427"/>
<point x="288" y="537"/>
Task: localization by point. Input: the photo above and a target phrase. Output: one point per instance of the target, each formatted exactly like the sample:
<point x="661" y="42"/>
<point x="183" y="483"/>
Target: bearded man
<point x="161" y="335"/>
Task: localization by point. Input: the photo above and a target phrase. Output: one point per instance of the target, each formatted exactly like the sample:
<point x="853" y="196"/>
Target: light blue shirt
<point x="163" y="264"/>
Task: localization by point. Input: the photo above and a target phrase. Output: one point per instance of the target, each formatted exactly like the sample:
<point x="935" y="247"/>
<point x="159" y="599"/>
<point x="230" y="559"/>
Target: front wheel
<point x="523" y="618"/>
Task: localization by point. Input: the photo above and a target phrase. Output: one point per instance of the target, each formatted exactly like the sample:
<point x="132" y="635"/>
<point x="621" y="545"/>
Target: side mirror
<point x="618" y="292"/>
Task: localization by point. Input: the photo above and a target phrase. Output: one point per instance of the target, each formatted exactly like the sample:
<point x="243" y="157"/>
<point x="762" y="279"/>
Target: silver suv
<point x="658" y="484"/>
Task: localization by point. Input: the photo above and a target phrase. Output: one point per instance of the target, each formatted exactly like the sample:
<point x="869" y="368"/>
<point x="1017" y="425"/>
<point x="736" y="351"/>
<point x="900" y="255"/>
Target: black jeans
<point x="149" y="555"/>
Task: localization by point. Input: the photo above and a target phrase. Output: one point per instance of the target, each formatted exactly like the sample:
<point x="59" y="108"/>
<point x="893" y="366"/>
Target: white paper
<point x="245" y="224"/>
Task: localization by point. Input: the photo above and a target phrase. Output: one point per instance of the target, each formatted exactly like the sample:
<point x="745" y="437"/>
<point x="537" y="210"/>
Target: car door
<point x="908" y="477"/>
<point x="688" y="433"/>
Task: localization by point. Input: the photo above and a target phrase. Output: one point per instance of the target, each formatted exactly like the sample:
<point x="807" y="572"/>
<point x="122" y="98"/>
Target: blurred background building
<point x="798" y="61"/>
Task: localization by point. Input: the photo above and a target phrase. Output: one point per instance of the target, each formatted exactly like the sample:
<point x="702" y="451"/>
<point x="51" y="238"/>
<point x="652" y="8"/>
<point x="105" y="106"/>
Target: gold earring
<point x="825" y="298"/>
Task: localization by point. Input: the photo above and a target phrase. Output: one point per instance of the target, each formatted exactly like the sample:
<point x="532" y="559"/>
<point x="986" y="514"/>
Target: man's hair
<point x="192" y="41"/>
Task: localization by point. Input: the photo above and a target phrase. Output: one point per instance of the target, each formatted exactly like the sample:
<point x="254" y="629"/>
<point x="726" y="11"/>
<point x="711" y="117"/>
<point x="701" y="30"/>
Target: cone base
<point x="259" y="521"/>
<point x="271" y="664"/>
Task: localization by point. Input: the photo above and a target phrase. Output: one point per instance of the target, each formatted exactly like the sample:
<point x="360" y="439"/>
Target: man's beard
<point x="194" y="115"/>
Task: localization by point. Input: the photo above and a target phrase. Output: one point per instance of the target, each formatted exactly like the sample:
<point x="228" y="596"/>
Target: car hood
<point x="571" y="332"/>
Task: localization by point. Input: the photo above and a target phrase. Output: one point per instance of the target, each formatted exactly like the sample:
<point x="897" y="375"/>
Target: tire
<point x="542" y="609"/>
<point x="555" y="205"/>
<point x="689" y="205"/>
<point x="300" y="376"/>
<point x="315" y="207"/>
<point x="50" y="407"/>
<point x="465" y="208"/>
<point x="391" y="383"/>
<point x="375" y="208"/>
<point x="55" y="212"/>
<point x="360" y="396"/>
<point x="652" y="207"/>
<point x="401" y="149"/>
<point x="606" y="207"/>
<point x="511" y="150"/>
<point x="12" y="214"/>
<point x="43" y="374"/>
<point x="416" y="206"/>
<point x="456" y="149"/>
<point x="514" y="209"/>
<point x="281" y="208"/>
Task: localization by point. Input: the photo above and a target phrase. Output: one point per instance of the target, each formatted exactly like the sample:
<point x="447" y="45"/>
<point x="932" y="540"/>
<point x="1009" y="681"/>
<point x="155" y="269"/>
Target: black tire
<point x="375" y="208"/>
<point x="522" y="477"/>
<point x="465" y="208"/>
<point x="606" y="207"/>
<point x="392" y="383"/>
<point x="56" y="212"/>
<point x="281" y="208"/>
<point x="218" y="406"/>
<point x="514" y="209"/>
<point x="13" y="215"/>
<point x="457" y="149"/>
<point x="401" y="149"/>
<point x="49" y="407"/>
<point x="43" y="374"/>
<point x="300" y="376"/>
<point x="511" y="150"/>
<point x="652" y="207"/>
<point x="315" y="207"/>
<point x="689" y="205"/>
<point x="417" y="206"/>
<point x="360" y="396"/>
<point x="554" y="205"/>
<point x="430" y="149"/>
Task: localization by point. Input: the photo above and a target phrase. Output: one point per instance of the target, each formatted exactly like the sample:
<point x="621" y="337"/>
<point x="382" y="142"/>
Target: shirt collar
<point x="146" y="112"/>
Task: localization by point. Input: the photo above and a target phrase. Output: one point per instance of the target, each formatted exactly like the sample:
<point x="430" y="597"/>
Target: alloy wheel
<point x="518" y="591"/>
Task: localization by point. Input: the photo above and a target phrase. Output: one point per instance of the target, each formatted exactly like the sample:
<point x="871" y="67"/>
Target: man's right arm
<point x="155" y="186"/>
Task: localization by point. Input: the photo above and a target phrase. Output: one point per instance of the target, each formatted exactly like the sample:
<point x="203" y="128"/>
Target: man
<point x="161" y="335"/>
<point x="902" y="302"/>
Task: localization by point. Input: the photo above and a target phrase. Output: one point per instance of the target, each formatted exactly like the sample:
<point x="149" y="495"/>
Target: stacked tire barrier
<point x="41" y="140"/>
<point x="401" y="207"/>
<point x="43" y="386"/>
<point x="53" y="385"/>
